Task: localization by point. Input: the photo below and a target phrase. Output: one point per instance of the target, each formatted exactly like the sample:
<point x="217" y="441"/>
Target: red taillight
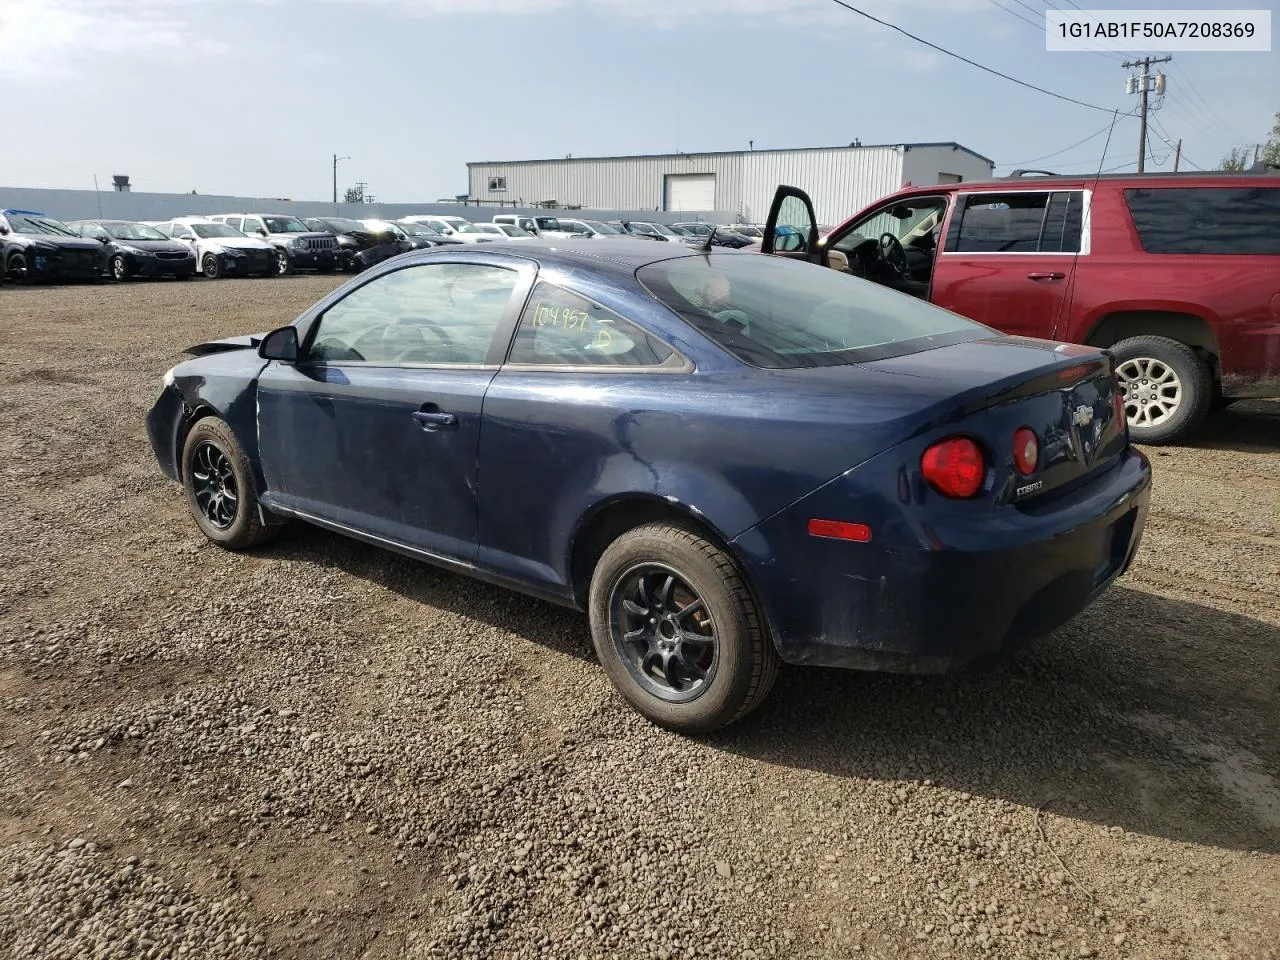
<point x="954" y="467"/>
<point x="840" y="530"/>
<point x="1122" y="416"/>
<point x="1026" y="451"/>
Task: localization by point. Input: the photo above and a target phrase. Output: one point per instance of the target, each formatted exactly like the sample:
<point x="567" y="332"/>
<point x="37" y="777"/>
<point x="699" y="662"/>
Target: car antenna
<point x="1068" y="289"/>
<point x="706" y="247"/>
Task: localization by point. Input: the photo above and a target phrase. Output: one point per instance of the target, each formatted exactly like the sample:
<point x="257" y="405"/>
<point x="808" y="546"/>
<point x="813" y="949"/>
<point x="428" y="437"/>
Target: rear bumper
<point x="963" y="592"/>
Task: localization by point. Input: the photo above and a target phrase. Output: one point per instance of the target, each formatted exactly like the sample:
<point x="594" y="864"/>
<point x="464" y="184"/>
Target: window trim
<point x="1086" y="225"/>
<point x="676" y="363"/>
<point x="499" y="346"/>
<point x="497" y="184"/>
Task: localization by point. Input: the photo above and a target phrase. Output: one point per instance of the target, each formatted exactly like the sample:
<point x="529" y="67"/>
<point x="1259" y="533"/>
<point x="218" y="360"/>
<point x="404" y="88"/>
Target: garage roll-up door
<point x="691" y="191"/>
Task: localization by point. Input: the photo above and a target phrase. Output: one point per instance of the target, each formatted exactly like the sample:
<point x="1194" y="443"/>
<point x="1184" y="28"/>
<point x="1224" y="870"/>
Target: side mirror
<point x="280" y="345"/>
<point x="104" y="240"/>
<point x="3" y="229"/>
<point x="262" y="231"/>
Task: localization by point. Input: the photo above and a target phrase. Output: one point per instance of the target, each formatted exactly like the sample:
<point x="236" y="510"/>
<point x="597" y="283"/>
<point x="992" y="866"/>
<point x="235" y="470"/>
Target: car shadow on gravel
<point x="1245" y="426"/>
<point x="552" y="626"/>
<point x="1150" y="714"/>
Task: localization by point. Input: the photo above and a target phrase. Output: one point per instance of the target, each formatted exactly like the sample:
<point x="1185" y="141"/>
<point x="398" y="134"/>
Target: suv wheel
<point x="1168" y="388"/>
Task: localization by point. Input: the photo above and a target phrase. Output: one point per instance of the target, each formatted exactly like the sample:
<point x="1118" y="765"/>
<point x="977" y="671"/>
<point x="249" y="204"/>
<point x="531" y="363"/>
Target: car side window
<point x="999" y="223"/>
<point x="440" y="313"/>
<point x="180" y="232"/>
<point x="251" y="224"/>
<point x="94" y="232"/>
<point x="560" y="328"/>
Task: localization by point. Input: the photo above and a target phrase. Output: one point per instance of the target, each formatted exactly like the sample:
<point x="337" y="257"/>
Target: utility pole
<point x="1177" y="156"/>
<point x="1142" y="86"/>
<point x="336" y="158"/>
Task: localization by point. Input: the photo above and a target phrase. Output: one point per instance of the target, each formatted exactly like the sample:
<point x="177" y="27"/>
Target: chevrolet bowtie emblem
<point x="1083" y="415"/>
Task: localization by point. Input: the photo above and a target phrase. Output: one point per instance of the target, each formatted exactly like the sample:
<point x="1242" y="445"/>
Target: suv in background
<point x="1177" y="274"/>
<point x="297" y="248"/>
<point x="34" y="247"/>
<point x="539" y="226"/>
<point x="358" y="246"/>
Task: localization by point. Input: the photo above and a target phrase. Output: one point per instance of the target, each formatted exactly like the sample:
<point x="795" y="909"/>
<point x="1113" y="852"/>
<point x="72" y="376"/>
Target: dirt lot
<point x="324" y="750"/>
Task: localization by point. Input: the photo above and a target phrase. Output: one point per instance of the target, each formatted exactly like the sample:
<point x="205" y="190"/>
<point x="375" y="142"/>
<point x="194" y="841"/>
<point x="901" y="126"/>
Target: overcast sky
<point x="252" y="97"/>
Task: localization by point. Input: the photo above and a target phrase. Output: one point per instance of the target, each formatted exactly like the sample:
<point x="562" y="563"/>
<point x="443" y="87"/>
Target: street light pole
<point x="336" y="158"/>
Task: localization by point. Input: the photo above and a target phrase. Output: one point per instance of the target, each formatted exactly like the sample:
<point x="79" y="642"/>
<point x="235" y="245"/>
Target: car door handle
<point x="433" y="420"/>
<point x="1046" y="276"/>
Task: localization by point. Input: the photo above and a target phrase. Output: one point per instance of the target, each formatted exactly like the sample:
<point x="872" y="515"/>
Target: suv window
<point x="433" y="313"/>
<point x="1021" y="222"/>
<point x="1207" y="220"/>
<point x="560" y="328"/>
<point x="251" y="224"/>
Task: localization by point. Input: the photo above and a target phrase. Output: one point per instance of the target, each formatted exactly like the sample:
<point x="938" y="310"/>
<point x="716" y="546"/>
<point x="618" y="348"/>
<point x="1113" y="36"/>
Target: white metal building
<point x="841" y="180"/>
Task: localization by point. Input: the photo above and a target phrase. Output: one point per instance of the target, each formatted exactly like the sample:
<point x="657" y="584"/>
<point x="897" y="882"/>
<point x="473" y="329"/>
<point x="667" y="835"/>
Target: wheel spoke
<point x="690" y="609"/>
<point x="634" y="608"/>
<point x="668" y="588"/>
<point x="635" y="636"/>
<point x="669" y="669"/>
<point x="690" y="667"/>
<point x="697" y="639"/>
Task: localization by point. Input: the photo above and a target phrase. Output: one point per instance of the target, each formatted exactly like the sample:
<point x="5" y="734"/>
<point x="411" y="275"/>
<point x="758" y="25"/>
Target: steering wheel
<point x="892" y="254"/>
<point x="398" y="328"/>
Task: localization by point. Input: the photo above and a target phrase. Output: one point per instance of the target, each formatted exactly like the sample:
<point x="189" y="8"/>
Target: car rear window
<point x="1207" y="220"/>
<point x="778" y="313"/>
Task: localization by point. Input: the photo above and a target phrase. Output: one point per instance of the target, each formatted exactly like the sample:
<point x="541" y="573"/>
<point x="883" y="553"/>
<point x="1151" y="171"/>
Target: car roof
<point x="100" y="220"/>
<point x="621" y="256"/>
<point x="1015" y="182"/>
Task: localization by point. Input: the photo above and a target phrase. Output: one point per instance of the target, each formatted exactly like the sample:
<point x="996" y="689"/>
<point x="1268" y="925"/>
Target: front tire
<point x="1168" y="388"/>
<point x="677" y="631"/>
<point x="16" y="268"/>
<point x="119" y="268"/>
<point x="218" y="482"/>
<point x="284" y="266"/>
<point x="211" y="266"/>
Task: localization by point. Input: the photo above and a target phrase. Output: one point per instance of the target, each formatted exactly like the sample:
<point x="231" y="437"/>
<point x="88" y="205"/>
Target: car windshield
<point x="511" y="230"/>
<point x="666" y="231"/>
<point x="467" y="228"/>
<point x="778" y="313"/>
<point x="748" y="231"/>
<point x="694" y="229"/>
<point x="33" y="223"/>
<point x="486" y="227"/>
<point x="285" y="225"/>
<point x="206" y="231"/>
<point x="902" y="220"/>
<point x="133" y="231"/>
<point x="599" y="226"/>
<point x="418" y="230"/>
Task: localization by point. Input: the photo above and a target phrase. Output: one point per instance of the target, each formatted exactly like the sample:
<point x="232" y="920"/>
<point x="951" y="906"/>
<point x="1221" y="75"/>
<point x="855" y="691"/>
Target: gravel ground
<point x="324" y="750"/>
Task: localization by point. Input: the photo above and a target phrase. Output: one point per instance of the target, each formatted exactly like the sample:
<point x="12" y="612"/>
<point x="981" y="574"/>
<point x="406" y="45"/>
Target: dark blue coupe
<point x="727" y="460"/>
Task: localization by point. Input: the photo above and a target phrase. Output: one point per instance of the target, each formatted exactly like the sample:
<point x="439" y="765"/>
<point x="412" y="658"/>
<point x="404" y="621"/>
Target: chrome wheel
<point x="214" y="484"/>
<point x="119" y="269"/>
<point x="663" y="633"/>
<point x="1152" y="391"/>
<point x="282" y="262"/>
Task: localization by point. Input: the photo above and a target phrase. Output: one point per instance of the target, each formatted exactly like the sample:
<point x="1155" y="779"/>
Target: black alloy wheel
<point x="16" y="268"/>
<point x="218" y="481"/>
<point x="211" y="266"/>
<point x="214" y="485"/>
<point x="663" y="632"/>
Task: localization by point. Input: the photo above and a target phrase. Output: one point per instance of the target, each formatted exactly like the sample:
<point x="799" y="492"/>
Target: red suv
<point x="1178" y="274"/>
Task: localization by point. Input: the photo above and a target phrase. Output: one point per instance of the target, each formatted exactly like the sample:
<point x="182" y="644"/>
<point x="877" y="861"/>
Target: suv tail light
<point x="954" y="467"/>
<point x="1026" y="451"/>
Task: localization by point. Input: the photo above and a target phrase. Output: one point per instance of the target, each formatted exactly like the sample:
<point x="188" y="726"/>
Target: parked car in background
<point x="1176" y="274"/>
<point x="138" y="250"/>
<point x="650" y="230"/>
<point x="449" y="226"/>
<point x="35" y="247"/>
<point x="511" y="231"/>
<point x="424" y="234"/>
<point x="720" y="236"/>
<point x="296" y="246"/>
<point x="221" y="250"/>
<point x="750" y="230"/>
<point x="588" y="229"/>
<point x="896" y="494"/>
<point x="540" y="226"/>
<point x="358" y="246"/>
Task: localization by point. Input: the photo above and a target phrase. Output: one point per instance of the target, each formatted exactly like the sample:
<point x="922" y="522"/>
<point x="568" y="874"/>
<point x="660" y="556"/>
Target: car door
<point x="1008" y="257"/>
<point x="376" y="427"/>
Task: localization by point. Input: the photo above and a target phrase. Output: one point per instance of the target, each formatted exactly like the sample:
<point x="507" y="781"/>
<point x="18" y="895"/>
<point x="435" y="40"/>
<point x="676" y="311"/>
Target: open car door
<point x="792" y="228"/>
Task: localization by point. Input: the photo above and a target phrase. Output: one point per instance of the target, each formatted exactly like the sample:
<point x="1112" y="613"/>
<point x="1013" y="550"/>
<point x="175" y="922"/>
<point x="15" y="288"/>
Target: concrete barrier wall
<point x="84" y="204"/>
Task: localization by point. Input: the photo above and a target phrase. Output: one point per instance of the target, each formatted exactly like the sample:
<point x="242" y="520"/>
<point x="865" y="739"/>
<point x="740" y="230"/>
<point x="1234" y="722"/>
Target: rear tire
<point x="211" y="266"/>
<point x="218" y="481"/>
<point x="677" y="631"/>
<point x="1168" y="388"/>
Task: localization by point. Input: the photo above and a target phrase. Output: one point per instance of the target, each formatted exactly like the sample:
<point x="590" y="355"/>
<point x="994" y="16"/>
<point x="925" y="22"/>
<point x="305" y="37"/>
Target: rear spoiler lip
<point x="222" y="346"/>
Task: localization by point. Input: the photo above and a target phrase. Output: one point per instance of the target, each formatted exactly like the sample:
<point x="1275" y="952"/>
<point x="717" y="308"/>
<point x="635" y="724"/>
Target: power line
<point x="1102" y="50"/>
<point x="964" y="59"/>
<point x="1014" y="13"/>
<point x="1056" y="153"/>
<point x="1195" y="94"/>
